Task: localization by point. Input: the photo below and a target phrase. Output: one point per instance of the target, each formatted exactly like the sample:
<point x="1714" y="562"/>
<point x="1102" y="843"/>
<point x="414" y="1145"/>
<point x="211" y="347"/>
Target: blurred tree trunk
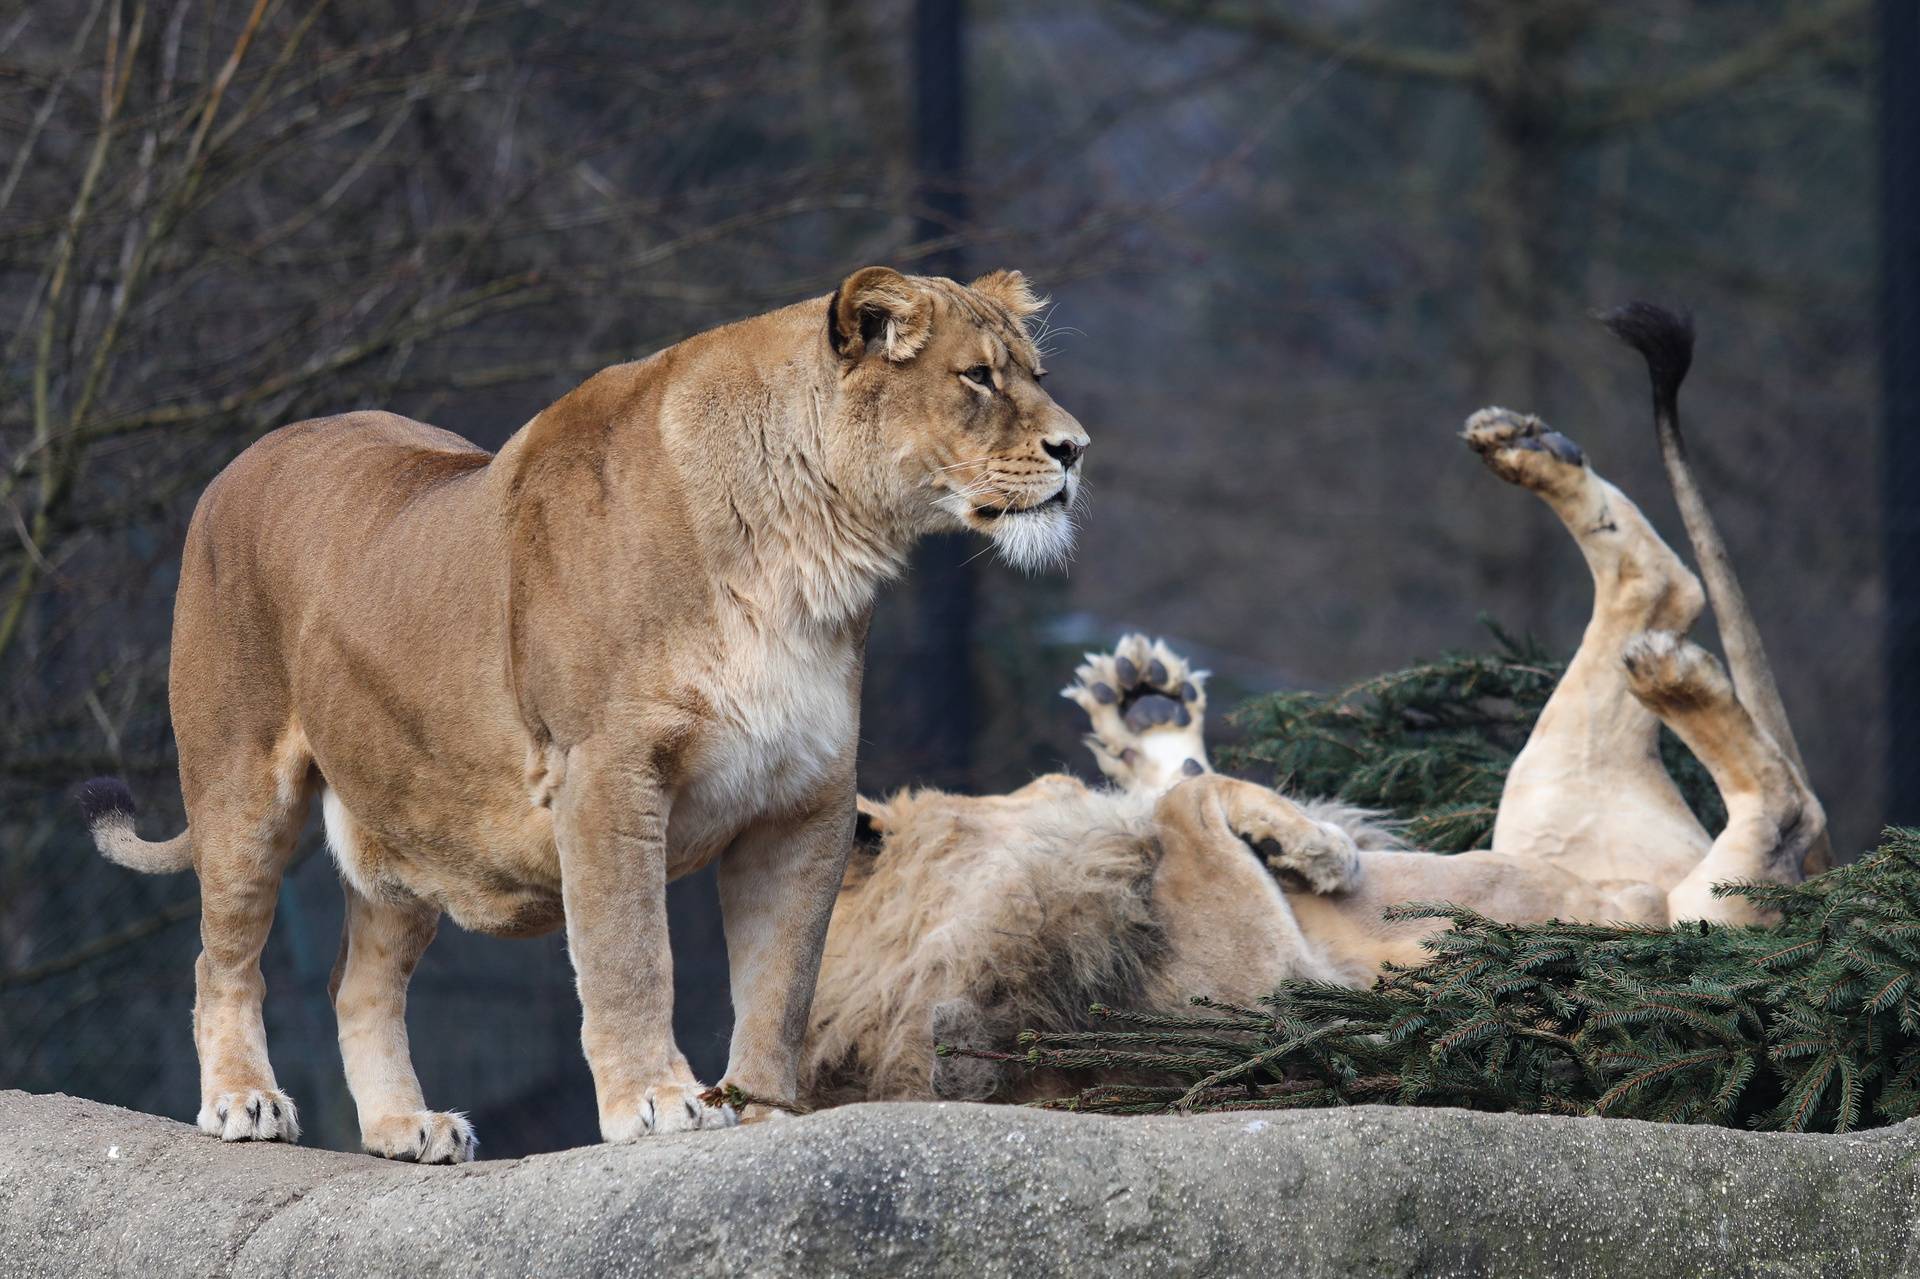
<point x="1900" y="438"/>
<point x="1520" y="55"/>
<point x="938" y="670"/>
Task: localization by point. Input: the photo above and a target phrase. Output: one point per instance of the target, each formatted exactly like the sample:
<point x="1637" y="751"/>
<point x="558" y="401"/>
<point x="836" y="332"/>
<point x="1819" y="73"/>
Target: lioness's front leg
<point x="610" y="823"/>
<point x="778" y="883"/>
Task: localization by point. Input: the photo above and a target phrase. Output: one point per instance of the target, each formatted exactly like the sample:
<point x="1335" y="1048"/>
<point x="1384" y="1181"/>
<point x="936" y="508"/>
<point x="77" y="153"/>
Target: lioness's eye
<point x="980" y="375"/>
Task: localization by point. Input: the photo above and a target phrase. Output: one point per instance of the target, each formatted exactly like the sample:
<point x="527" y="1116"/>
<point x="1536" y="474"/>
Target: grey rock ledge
<point x="90" y="1190"/>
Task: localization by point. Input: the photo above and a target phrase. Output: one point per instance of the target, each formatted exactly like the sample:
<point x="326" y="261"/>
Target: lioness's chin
<point x="1035" y="540"/>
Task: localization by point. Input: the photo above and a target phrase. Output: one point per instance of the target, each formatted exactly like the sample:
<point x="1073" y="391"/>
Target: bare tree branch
<point x="1437" y="65"/>
<point x="1623" y="106"/>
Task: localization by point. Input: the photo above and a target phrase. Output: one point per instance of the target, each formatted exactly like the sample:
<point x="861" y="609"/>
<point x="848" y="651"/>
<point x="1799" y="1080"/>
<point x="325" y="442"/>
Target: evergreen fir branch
<point x="1810" y="1024"/>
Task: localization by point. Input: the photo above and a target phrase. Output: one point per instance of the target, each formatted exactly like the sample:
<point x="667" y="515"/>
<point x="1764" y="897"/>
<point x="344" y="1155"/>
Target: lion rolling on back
<point x="530" y="688"/>
<point x="964" y="920"/>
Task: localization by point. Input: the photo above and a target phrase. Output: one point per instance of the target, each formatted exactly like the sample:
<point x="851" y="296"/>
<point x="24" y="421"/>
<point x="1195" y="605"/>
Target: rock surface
<point x="90" y="1190"/>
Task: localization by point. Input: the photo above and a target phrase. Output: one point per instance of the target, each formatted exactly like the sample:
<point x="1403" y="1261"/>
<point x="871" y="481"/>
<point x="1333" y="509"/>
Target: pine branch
<point x="1810" y="1024"/>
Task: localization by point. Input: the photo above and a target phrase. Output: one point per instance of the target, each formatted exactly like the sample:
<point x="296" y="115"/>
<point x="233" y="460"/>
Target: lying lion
<point x="531" y="687"/>
<point x="965" y="920"/>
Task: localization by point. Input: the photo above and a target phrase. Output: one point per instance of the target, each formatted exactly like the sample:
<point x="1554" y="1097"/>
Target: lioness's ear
<point x="1011" y="290"/>
<point x="878" y="304"/>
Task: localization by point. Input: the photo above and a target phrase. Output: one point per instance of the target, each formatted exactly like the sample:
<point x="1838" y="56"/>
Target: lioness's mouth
<point x="1059" y="498"/>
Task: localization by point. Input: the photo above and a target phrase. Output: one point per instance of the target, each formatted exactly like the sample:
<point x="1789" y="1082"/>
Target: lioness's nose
<point x="1065" y="451"/>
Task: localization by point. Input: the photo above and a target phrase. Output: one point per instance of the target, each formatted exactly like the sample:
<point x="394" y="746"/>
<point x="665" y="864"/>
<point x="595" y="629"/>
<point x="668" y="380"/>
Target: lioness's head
<point x="952" y="378"/>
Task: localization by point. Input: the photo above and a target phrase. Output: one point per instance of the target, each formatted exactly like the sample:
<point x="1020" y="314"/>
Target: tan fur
<point x="1209" y="885"/>
<point x="533" y="687"/>
<point x="1059" y="913"/>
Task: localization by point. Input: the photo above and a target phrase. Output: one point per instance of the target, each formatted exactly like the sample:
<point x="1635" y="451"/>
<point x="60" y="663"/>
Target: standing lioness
<point x="532" y="687"/>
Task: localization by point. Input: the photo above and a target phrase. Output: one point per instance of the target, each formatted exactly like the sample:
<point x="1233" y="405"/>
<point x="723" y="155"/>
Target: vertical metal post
<point x="939" y="682"/>
<point x="1899" y="22"/>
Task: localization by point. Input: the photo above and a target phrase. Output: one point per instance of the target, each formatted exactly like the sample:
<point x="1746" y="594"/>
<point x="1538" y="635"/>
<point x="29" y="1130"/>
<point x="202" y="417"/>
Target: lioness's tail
<point x="1666" y="340"/>
<point x="108" y="806"/>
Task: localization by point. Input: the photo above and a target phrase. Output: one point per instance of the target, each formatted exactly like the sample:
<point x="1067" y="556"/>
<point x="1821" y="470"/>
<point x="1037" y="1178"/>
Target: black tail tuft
<point x="104" y="797"/>
<point x="1664" y="337"/>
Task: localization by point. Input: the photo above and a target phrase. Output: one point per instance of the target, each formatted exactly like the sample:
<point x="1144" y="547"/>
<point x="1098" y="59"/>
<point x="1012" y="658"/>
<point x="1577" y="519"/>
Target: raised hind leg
<point x="244" y="824"/>
<point x="1589" y="789"/>
<point x="382" y="943"/>
<point x="1773" y="819"/>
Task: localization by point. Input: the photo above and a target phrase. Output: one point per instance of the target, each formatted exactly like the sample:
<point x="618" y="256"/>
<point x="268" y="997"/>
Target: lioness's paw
<point x="1523" y="450"/>
<point x="422" y="1137"/>
<point x="1148" y="711"/>
<point x="254" y="1114"/>
<point x="1321" y="854"/>
<point x="669" y="1108"/>
<point x="1670" y="673"/>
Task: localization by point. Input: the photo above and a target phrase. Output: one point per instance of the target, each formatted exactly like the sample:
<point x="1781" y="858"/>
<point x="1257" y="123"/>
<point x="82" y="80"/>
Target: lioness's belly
<point x="477" y="841"/>
<point x="497" y="870"/>
<point x="491" y="870"/>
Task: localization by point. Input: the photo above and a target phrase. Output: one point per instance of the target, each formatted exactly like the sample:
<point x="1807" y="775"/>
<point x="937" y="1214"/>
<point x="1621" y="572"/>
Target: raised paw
<point x="255" y="1114"/>
<point x="1669" y="673"/>
<point x="1523" y="450"/>
<point x="421" y="1137"/>
<point x="666" y="1108"/>
<point x="1147" y="708"/>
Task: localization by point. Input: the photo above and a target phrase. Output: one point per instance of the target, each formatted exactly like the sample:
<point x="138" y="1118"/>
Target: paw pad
<point x="1669" y="673"/>
<point x="1520" y="448"/>
<point x="1147" y="708"/>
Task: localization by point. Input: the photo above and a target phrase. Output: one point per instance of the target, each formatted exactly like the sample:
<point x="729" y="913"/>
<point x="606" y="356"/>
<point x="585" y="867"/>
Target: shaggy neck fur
<point x="806" y="537"/>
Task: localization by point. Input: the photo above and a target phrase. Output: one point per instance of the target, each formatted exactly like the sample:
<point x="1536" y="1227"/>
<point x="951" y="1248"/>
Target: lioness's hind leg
<point x="382" y="943"/>
<point x="1148" y="710"/>
<point x="1589" y="787"/>
<point x="244" y="828"/>
<point x="1772" y="818"/>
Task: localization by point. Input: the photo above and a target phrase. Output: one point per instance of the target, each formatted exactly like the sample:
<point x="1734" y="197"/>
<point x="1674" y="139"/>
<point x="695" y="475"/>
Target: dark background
<point x="1292" y="245"/>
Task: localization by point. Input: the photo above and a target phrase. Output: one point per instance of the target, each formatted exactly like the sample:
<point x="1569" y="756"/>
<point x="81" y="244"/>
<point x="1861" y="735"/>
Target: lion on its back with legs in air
<point x="964" y="920"/>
